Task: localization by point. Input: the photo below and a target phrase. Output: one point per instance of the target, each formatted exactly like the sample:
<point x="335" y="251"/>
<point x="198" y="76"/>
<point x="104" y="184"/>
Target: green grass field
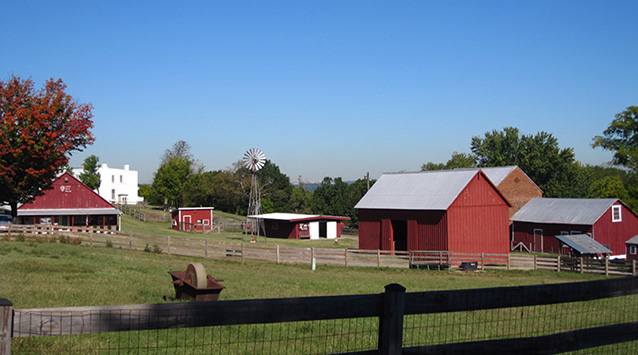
<point x="42" y="274"/>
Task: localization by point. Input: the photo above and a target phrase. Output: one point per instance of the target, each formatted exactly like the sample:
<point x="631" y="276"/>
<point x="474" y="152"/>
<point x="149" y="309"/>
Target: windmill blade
<point x="254" y="159"/>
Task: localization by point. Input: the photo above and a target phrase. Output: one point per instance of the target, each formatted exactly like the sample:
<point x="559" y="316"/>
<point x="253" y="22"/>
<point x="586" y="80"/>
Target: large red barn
<point x="447" y="210"/>
<point x="70" y="203"/>
<point x="608" y="220"/>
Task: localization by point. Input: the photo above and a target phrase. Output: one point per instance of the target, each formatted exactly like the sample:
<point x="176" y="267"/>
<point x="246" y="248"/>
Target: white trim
<point x="613" y="213"/>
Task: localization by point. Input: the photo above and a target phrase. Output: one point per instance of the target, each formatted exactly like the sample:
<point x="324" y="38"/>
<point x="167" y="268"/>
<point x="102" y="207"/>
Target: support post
<point x="482" y="261"/>
<point x="391" y="321"/>
<point x="535" y="262"/>
<point x="558" y="264"/>
<point x="168" y="242"/>
<point x="634" y="268"/>
<point x="312" y="258"/>
<point x="91" y="237"/>
<point x="509" y="261"/>
<point x="205" y="248"/>
<point x="277" y="253"/>
<point x="606" y="266"/>
<point x="130" y="240"/>
<point x="346" y="259"/>
<point x="6" y="323"/>
<point x="378" y="257"/>
<point x="242" y="252"/>
<point x="582" y="266"/>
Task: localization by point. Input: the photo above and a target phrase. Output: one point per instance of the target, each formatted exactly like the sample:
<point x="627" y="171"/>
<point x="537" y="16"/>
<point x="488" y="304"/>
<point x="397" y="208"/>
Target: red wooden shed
<point x="447" y="210"/>
<point x="632" y="248"/>
<point x="70" y="203"/>
<point x="302" y="226"/>
<point x="608" y="220"/>
<point x="193" y="219"/>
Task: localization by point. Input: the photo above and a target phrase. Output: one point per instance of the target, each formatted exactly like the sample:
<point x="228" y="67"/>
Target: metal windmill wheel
<point x="254" y="160"/>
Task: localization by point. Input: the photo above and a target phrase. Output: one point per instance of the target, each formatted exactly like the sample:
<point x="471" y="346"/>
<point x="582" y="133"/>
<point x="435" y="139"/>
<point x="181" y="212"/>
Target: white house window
<point x="113" y="195"/>
<point x="112" y="178"/>
<point x="121" y="179"/>
<point x="632" y="249"/>
<point x="615" y="214"/>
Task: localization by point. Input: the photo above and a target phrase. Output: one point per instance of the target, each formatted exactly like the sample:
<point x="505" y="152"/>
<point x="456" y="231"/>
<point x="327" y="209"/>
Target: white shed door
<point x="331" y="230"/>
<point x="313" y="228"/>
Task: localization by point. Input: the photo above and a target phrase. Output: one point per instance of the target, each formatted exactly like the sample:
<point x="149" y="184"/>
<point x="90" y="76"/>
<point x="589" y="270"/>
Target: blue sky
<point x="328" y="88"/>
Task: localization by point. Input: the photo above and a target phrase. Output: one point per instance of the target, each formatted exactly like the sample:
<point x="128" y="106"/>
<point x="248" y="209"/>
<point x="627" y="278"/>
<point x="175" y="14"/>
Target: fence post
<point x="582" y="267"/>
<point x="378" y="257"/>
<point x="391" y="321"/>
<point x="535" y="266"/>
<point x="482" y="261"/>
<point x="242" y="252"/>
<point x="91" y="237"/>
<point x="205" y="248"/>
<point x="6" y="323"/>
<point x="558" y="264"/>
<point x="606" y="266"/>
<point x="168" y="237"/>
<point x="277" y="253"/>
<point x="634" y="268"/>
<point x="346" y="259"/>
<point x="508" y="261"/>
<point x="130" y="240"/>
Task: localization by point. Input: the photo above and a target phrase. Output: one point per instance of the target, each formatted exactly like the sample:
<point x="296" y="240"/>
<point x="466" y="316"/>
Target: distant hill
<point x="311" y="186"/>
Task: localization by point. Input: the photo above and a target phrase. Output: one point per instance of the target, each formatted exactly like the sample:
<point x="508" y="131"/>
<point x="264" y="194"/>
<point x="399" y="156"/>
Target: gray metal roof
<point x="633" y="240"/>
<point x="426" y="190"/>
<point x="496" y="174"/>
<point x="563" y="210"/>
<point x="68" y="212"/>
<point x="583" y="244"/>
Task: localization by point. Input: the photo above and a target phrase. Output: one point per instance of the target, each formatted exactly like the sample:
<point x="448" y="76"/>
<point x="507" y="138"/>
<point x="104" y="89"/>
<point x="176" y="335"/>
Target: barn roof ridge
<point x="565" y="210"/>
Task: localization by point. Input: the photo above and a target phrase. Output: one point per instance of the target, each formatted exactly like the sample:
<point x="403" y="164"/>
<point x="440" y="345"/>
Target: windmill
<point x="254" y="159"/>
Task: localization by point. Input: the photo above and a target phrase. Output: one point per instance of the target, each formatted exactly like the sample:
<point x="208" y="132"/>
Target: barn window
<point x="632" y="249"/>
<point x="615" y="214"/>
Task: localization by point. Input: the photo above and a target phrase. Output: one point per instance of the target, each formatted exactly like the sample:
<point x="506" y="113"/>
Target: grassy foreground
<point x="42" y="274"/>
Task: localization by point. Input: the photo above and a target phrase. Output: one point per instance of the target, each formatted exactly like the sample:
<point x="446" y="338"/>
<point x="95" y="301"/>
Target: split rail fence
<point x="541" y="319"/>
<point x="206" y="248"/>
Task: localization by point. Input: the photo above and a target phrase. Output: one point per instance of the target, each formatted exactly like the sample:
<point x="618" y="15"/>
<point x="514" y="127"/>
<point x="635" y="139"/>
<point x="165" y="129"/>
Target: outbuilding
<point x="302" y="226"/>
<point x="70" y="203"/>
<point x="193" y="219"/>
<point x="632" y="248"/>
<point x="607" y="220"/>
<point x="446" y="210"/>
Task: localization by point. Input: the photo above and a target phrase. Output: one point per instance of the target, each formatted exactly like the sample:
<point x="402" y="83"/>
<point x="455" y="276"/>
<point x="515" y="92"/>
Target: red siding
<point x="630" y="256"/>
<point x="197" y="216"/>
<point x="604" y="231"/>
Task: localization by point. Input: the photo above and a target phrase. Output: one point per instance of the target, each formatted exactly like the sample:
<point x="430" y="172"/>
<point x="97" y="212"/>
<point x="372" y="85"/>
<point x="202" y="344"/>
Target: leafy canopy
<point x="621" y="137"/>
<point x="39" y="129"/>
<point x="90" y="176"/>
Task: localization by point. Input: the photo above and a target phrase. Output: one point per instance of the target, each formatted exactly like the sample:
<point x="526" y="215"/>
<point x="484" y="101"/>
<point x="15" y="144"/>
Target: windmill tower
<point x="254" y="159"/>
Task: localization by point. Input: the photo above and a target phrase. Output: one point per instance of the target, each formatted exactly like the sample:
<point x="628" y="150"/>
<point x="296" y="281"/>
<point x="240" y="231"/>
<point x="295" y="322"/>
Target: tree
<point x="169" y="181"/>
<point x="39" y="130"/>
<point x="331" y="197"/>
<point x="90" y="176"/>
<point x="621" y="137"/>
<point x="553" y="169"/>
<point x="458" y="160"/>
<point x="179" y="149"/>
<point x="275" y="188"/>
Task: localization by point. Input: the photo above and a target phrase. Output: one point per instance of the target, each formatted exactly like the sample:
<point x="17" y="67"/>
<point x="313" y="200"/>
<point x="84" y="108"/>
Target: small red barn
<point x="70" y="203"/>
<point x="302" y="226"/>
<point x="193" y="219"/>
<point x="446" y="210"/>
<point x="608" y="220"/>
<point x="632" y="248"/>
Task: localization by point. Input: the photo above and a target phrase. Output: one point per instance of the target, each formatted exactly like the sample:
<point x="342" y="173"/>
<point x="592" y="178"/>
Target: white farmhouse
<point x="118" y="186"/>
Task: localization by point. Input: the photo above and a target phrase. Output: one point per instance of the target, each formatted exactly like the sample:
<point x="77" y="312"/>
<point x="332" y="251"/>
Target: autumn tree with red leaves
<point x="39" y="129"/>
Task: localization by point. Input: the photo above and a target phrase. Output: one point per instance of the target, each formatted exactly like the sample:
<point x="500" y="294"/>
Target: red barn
<point x="70" y="203"/>
<point x="608" y="220"/>
<point x="446" y="210"/>
<point x="302" y="226"/>
<point x="193" y="218"/>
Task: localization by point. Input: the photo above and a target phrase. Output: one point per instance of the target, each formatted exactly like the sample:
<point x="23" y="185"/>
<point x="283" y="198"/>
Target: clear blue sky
<point x="328" y="88"/>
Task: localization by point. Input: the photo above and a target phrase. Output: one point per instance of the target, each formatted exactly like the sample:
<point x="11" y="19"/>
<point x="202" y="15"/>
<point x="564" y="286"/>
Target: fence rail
<point x="209" y="248"/>
<point x="538" y="319"/>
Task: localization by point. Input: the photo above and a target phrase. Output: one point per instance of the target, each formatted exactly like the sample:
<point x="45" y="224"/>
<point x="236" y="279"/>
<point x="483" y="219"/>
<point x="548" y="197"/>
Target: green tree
<point x="458" y="160"/>
<point x="144" y="191"/>
<point x="331" y="197"/>
<point x="621" y="137"/>
<point x="608" y="187"/>
<point x="39" y="130"/>
<point x="356" y="190"/>
<point x="90" y="176"/>
<point x="553" y="169"/>
<point x="275" y="187"/>
<point x="169" y="181"/>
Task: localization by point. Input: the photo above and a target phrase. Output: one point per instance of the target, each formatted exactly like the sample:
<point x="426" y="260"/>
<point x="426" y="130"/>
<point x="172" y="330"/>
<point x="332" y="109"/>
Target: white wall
<point x="117" y="186"/>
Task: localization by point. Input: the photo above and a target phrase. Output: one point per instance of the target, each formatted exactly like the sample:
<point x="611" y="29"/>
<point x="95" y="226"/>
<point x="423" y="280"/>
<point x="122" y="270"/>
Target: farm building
<point x="607" y="220"/>
<point x="446" y="210"/>
<point x="302" y="226"/>
<point x="70" y="203"/>
<point x="581" y="245"/>
<point x="632" y="248"/>
<point x="193" y="218"/>
<point x="514" y="184"/>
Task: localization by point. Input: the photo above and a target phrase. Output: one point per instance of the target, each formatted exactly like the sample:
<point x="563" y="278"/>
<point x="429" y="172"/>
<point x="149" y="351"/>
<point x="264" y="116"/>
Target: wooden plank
<point x="82" y="320"/>
<point x="520" y="296"/>
<point x="547" y="344"/>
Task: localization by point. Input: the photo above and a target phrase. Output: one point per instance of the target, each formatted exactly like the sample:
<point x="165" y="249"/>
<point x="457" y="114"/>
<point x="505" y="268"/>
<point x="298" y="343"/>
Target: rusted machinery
<point x="195" y="285"/>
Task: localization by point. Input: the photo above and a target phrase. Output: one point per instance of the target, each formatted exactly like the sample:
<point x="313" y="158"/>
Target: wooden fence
<point x="207" y="248"/>
<point x="527" y="319"/>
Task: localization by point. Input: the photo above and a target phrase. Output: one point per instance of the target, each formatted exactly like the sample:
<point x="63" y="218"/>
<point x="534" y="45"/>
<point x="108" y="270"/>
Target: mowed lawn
<point x="43" y="274"/>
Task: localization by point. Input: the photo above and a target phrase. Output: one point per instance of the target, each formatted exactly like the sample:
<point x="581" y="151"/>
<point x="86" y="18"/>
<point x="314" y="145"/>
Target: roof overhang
<point x="583" y="244"/>
<point x="68" y="212"/>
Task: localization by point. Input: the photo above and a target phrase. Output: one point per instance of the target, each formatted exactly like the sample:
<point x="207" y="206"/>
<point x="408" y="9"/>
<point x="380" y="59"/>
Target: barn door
<point x="400" y="235"/>
<point x="538" y="241"/>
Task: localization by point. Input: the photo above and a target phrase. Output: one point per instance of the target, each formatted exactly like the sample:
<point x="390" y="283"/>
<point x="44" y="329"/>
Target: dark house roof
<point x="583" y="244"/>
<point x="633" y="240"/>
